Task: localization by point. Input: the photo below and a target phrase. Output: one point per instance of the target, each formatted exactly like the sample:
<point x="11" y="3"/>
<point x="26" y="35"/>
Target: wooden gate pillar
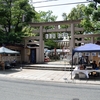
<point x="41" y="45"/>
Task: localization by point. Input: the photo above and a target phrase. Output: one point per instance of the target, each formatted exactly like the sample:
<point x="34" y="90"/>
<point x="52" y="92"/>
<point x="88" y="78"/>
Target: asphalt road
<point x="12" y="89"/>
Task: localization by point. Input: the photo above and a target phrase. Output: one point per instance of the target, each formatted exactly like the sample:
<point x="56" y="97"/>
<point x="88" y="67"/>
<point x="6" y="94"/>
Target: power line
<point x="43" y="1"/>
<point x="61" y="4"/>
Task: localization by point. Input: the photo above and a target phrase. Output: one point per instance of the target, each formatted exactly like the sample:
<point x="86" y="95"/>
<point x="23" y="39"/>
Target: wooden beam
<point x="86" y="35"/>
<point x="58" y="30"/>
<point x="85" y="41"/>
<point x="33" y="37"/>
<point x="55" y="23"/>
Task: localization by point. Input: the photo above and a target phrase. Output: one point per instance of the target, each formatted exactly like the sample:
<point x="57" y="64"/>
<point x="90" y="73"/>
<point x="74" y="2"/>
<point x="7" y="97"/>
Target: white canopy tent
<point x="4" y="50"/>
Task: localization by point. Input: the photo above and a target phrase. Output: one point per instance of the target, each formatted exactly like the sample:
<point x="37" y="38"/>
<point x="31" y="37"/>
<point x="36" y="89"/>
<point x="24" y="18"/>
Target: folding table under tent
<point x="90" y="47"/>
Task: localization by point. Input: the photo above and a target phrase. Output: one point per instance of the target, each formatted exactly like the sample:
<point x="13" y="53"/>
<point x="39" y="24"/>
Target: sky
<point x="57" y="10"/>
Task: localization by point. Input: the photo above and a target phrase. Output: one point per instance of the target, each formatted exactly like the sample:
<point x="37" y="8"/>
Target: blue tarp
<point x="87" y="48"/>
<point x="7" y="51"/>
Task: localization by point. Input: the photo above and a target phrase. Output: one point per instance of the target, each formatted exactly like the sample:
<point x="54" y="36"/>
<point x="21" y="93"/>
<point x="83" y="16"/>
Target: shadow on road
<point x="9" y="71"/>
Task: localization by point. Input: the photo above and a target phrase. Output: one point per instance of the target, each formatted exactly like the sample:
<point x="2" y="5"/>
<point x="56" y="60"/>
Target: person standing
<point x="14" y="63"/>
<point x="82" y="60"/>
<point x="94" y="65"/>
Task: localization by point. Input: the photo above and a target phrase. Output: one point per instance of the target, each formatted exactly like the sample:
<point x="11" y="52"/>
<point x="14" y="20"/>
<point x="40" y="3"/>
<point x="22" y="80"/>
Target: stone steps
<point x="48" y="67"/>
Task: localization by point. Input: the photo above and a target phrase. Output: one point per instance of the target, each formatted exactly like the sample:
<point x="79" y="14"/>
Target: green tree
<point x="47" y="17"/>
<point x="51" y="43"/>
<point x="90" y="18"/>
<point x="64" y="15"/>
<point x="89" y="15"/>
<point x="14" y="15"/>
<point x="65" y="18"/>
<point x="77" y="12"/>
<point x="95" y="2"/>
<point x="91" y="21"/>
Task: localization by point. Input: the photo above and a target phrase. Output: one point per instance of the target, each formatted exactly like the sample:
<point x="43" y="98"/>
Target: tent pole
<point x="71" y="67"/>
<point x="21" y="62"/>
<point x="3" y="64"/>
<point x="72" y="64"/>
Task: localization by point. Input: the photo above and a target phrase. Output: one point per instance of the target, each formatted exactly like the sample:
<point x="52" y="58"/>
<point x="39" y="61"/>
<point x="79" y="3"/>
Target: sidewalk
<point x="45" y="75"/>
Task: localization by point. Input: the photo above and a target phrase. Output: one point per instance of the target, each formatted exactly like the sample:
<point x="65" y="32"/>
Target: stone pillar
<point x="56" y="26"/>
<point x="92" y="39"/>
<point x="72" y="42"/>
<point x="25" y="51"/>
<point x="41" y="45"/>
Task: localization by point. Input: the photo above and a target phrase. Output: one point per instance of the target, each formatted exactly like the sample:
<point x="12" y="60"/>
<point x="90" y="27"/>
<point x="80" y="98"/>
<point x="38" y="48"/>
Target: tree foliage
<point x="47" y="17"/>
<point x="95" y="3"/>
<point x="14" y="15"/>
<point x="51" y="43"/>
<point x="91" y="21"/>
<point x="89" y="15"/>
<point x="77" y="12"/>
<point x="64" y="15"/>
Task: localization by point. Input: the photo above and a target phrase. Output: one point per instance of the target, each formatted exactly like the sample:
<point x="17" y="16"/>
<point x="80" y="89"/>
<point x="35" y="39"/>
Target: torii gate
<point x="56" y="24"/>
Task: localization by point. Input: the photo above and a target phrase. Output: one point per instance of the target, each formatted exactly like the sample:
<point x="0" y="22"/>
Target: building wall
<point x="39" y="49"/>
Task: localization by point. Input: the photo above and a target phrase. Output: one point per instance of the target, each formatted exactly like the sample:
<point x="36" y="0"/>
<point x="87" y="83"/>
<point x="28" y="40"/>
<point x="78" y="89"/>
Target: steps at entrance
<point x="48" y="67"/>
